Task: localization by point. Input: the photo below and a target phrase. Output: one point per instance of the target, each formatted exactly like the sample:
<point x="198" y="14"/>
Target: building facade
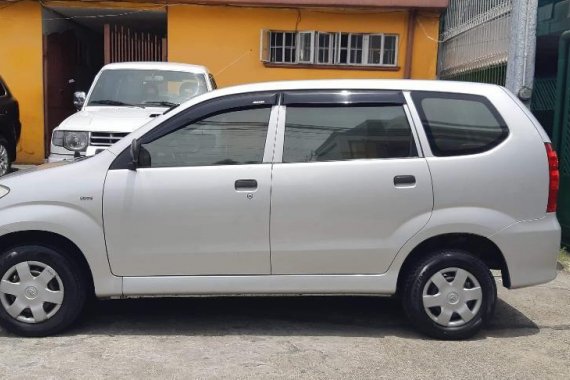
<point x="52" y="48"/>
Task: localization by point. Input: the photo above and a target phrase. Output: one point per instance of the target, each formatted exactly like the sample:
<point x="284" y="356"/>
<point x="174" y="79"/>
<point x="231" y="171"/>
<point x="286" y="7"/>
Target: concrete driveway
<point x="296" y="337"/>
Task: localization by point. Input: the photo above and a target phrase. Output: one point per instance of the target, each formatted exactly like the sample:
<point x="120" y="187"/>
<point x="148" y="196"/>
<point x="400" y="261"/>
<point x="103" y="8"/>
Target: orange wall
<point x="426" y="35"/>
<point x="227" y="39"/>
<point x="21" y="67"/>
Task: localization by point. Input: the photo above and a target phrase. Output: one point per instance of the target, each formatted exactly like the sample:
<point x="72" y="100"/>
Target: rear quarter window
<point x="459" y="124"/>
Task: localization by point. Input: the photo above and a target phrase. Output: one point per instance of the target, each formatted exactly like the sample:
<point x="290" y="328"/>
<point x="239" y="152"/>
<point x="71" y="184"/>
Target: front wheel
<point x="450" y="294"/>
<point x="41" y="291"/>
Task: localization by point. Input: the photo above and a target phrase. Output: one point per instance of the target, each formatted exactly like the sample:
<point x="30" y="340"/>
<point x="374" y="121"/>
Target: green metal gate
<point x="561" y="134"/>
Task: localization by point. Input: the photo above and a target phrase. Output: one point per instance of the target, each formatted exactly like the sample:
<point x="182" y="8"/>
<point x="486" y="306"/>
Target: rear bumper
<point x="531" y="250"/>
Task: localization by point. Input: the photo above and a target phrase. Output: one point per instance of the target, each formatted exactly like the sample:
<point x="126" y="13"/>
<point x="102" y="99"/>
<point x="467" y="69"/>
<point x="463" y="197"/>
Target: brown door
<point x="124" y="44"/>
<point x="60" y="55"/>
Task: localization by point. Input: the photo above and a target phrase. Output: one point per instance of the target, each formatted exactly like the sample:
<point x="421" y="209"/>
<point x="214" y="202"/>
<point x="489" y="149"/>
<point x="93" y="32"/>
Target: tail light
<point x="554" y="178"/>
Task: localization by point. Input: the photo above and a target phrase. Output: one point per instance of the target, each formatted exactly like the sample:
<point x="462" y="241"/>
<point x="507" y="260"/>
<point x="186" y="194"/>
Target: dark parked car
<point x="9" y="128"/>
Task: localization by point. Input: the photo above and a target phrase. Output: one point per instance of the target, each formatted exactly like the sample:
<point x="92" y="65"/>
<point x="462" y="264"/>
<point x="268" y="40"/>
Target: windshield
<point x="146" y="88"/>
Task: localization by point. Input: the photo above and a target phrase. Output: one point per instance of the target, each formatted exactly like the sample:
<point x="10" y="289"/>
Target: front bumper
<point x="60" y="157"/>
<point x="531" y="250"/>
<point x="91" y="151"/>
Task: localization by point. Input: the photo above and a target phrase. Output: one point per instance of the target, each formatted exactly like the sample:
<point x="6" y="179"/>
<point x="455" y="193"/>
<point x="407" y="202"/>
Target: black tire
<point x="6" y="146"/>
<point x="422" y="271"/>
<point x="74" y="296"/>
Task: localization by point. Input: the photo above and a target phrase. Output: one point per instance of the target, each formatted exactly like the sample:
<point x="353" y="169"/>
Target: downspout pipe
<point x="561" y="90"/>
<point x="410" y="43"/>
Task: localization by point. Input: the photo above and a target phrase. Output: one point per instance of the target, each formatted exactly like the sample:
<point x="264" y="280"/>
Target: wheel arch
<point x="54" y="241"/>
<point x="474" y="244"/>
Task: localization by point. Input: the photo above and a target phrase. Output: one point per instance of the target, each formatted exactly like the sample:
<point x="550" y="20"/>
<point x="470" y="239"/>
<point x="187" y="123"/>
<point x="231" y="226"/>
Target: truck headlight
<point x="3" y="191"/>
<point x="71" y="140"/>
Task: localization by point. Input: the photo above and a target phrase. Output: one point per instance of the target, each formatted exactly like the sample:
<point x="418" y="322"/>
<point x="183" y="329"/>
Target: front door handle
<point x="404" y="180"/>
<point x="246" y="184"/>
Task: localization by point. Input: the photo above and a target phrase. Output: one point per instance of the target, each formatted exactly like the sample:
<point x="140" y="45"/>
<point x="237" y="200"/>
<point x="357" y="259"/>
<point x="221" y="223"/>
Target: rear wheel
<point x="449" y="295"/>
<point x="5" y="161"/>
<point x="41" y="291"/>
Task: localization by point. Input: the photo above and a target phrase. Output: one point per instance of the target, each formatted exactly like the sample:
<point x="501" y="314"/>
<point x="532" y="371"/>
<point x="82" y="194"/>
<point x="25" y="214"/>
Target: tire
<point x="31" y="283"/>
<point x="5" y="157"/>
<point x="421" y="281"/>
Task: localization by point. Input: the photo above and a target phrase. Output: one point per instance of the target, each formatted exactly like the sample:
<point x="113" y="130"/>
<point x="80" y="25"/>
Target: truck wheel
<point x="41" y="291"/>
<point x="449" y="294"/>
<point x="5" y="161"/>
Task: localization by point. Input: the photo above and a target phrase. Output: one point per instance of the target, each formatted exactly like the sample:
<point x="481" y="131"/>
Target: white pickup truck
<point x="122" y="98"/>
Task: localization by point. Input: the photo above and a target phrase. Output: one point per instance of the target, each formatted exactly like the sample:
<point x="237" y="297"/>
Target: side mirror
<point x="79" y="99"/>
<point x="135" y="154"/>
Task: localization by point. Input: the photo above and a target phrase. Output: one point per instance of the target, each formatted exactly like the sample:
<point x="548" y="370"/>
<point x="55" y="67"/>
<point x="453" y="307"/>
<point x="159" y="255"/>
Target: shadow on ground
<point x="271" y="316"/>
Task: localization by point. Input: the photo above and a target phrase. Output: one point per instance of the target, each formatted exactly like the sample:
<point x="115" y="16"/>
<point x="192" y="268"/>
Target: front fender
<point x="75" y="225"/>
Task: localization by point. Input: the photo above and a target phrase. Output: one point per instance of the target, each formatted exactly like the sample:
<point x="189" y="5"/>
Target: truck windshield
<point x="157" y="88"/>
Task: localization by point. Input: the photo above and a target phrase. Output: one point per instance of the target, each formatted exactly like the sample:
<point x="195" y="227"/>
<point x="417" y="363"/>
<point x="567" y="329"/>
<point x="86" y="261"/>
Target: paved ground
<point x="294" y="337"/>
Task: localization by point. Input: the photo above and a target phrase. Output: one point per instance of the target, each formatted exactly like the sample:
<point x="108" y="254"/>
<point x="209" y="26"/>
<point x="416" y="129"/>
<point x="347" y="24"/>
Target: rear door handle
<point x="246" y="184"/>
<point x="404" y="180"/>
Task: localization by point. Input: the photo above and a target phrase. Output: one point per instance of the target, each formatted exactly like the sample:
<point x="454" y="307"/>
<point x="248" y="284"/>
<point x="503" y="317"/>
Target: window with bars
<point x="282" y="47"/>
<point x="329" y="48"/>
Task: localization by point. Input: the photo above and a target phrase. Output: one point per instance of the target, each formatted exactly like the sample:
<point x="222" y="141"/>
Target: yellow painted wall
<point x="424" y="62"/>
<point x="227" y="39"/>
<point x="21" y="67"/>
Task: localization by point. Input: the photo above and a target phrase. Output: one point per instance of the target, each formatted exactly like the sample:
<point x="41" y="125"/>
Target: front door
<point x="201" y="206"/>
<point x="350" y="188"/>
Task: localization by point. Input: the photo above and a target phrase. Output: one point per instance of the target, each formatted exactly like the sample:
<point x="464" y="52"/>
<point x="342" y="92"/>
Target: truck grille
<point x="105" y="138"/>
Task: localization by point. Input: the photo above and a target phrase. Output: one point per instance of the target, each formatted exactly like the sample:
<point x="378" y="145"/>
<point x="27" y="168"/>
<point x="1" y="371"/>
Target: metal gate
<point x="123" y="44"/>
<point x="561" y="134"/>
<point x="475" y="41"/>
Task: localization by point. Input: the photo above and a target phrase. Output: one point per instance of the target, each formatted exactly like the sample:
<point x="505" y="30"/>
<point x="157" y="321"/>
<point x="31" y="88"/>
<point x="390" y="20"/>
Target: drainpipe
<point x="410" y="43"/>
<point x="561" y="80"/>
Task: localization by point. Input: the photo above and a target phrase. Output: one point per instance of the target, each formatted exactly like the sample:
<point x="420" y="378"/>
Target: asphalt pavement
<point x="296" y="338"/>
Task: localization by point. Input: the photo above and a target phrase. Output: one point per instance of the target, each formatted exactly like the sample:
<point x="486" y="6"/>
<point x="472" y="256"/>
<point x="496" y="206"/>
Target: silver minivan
<point x="409" y="188"/>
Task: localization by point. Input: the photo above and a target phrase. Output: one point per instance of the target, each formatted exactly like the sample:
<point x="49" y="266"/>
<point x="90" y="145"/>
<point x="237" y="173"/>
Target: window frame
<point x="284" y="47"/>
<point x="206" y="109"/>
<point x="381" y="35"/>
<point x="396" y="49"/>
<point x="335" y="48"/>
<point x="338" y="98"/>
<point x="330" y="48"/>
<point x="362" y="48"/>
<point x="299" y="46"/>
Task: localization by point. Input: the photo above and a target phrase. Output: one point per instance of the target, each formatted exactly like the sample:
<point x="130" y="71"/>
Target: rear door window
<point x="340" y="125"/>
<point x="459" y="124"/>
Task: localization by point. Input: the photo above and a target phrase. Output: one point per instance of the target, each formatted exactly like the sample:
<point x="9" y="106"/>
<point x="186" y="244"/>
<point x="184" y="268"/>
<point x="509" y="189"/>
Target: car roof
<point x="350" y="84"/>
<point x="165" y="66"/>
<point x="362" y="84"/>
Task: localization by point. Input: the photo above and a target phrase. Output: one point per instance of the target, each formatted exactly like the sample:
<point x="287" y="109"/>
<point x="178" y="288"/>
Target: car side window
<point x="459" y="124"/>
<point x="2" y="89"/>
<point x="234" y="137"/>
<point x="341" y="132"/>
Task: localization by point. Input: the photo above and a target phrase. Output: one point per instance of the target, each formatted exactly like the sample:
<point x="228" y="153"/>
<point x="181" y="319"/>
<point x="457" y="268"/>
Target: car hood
<point x="110" y="119"/>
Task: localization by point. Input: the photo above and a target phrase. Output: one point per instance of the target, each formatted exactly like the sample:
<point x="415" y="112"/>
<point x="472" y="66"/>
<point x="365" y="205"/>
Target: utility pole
<point x="522" y="49"/>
